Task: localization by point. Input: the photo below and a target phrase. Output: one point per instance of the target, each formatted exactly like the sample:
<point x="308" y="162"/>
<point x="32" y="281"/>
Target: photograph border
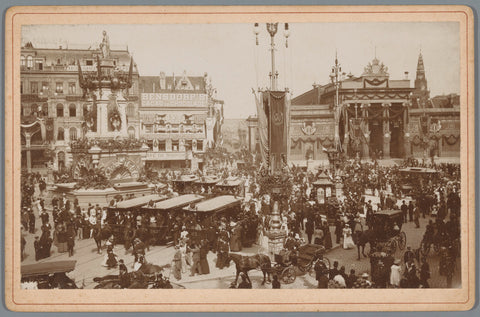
<point x="238" y="300"/>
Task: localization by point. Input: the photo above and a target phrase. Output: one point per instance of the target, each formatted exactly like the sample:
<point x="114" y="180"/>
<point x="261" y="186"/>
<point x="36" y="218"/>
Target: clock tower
<point x="421" y="93"/>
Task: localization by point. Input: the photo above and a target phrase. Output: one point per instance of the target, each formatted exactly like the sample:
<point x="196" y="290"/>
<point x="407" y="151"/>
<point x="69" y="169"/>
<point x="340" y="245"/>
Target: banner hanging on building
<point x="278" y="128"/>
<point x="262" y="129"/>
<point x="49" y="128"/>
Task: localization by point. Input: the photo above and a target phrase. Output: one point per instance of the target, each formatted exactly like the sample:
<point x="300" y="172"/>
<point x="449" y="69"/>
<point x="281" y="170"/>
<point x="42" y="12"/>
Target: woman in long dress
<point x="395" y="274"/>
<point x="347" y="238"/>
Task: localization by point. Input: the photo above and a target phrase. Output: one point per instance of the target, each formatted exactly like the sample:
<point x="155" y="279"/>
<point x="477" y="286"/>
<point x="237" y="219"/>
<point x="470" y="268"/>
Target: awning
<point x="176" y="202"/>
<point x="215" y="204"/>
<point x="139" y="201"/>
<point x="47" y="268"/>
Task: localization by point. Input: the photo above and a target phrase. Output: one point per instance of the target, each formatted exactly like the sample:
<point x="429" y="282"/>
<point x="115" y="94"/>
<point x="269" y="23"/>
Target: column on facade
<point x="315" y="151"/>
<point x="27" y="152"/>
<point x="406" y="131"/>
<point x="386" y="131"/>
<point x="168" y="145"/>
<point x="347" y="133"/>
<point x="366" y="141"/>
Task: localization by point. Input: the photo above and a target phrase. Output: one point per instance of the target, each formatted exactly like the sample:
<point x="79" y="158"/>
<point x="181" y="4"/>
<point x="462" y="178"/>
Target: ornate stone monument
<point x="105" y="89"/>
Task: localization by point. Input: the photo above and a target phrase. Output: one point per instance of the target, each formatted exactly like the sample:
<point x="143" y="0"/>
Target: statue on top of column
<point x="105" y="45"/>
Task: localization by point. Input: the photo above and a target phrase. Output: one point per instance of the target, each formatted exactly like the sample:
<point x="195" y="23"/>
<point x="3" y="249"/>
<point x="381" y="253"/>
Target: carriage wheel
<point x="402" y="242"/>
<point x="392" y="245"/>
<point x="288" y="275"/>
<point x="424" y="248"/>
<point x="304" y="268"/>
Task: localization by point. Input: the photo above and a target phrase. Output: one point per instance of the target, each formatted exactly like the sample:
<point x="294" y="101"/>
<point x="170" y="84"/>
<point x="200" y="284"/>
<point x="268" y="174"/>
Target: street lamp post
<point x="335" y="79"/>
<point x="272" y="29"/>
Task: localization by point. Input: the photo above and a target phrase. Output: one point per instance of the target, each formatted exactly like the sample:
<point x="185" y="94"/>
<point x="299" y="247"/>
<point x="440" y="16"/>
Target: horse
<point x="245" y="263"/>
<point x="361" y="238"/>
<point x="100" y="234"/>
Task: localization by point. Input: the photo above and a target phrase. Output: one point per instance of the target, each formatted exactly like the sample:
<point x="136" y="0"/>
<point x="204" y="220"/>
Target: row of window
<point x="43" y="87"/>
<point x="72" y="110"/>
<point x="61" y="134"/>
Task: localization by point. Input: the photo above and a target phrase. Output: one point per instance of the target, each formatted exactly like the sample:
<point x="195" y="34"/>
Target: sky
<point x="230" y="56"/>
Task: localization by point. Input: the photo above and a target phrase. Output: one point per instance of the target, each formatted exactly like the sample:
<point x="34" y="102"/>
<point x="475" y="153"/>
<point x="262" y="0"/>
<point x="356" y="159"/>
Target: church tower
<point x="421" y="93"/>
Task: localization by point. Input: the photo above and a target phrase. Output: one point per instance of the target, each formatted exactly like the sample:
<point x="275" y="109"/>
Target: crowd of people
<point x="303" y="220"/>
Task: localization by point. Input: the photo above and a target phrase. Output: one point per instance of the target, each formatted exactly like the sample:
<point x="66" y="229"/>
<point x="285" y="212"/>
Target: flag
<point x="262" y="130"/>
<point x="278" y="128"/>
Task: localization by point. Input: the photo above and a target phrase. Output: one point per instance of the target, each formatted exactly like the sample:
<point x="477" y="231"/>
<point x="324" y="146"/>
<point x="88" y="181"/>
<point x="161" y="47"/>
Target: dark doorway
<point x="376" y="137"/>
<point x="396" y="141"/>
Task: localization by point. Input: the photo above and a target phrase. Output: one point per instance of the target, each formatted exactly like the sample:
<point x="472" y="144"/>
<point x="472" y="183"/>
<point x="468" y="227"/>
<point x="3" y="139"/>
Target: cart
<point x="48" y="275"/>
<point x="385" y="233"/>
<point x="308" y="255"/>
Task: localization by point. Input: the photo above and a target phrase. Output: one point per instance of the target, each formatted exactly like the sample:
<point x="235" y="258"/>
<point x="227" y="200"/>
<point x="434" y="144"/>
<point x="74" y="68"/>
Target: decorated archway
<point x="121" y="169"/>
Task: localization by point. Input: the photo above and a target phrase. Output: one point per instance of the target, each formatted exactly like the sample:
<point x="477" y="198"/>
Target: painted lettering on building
<point x="173" y="100"/>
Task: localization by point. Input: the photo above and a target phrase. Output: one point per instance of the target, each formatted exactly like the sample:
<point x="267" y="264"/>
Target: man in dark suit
<point x="309" y="229"/>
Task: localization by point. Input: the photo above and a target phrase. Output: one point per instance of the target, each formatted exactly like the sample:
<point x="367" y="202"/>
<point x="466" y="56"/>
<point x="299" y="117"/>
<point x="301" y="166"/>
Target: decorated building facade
<point x="87" y="109"/>
<point x="54" y="108"/>
<point x="371" y="115"/>
<point x="179" y="119"/>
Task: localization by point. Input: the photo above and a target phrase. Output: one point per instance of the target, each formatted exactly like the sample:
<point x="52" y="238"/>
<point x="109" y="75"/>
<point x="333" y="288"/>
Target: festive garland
<point x="449" y="139"/>
<point x="269" y="184"/>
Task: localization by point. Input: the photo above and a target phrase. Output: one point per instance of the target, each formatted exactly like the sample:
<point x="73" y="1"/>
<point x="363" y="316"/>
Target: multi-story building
<point x="53" y="103"/>
<point x="179" y="118"/>
<point x="378" y="116"/>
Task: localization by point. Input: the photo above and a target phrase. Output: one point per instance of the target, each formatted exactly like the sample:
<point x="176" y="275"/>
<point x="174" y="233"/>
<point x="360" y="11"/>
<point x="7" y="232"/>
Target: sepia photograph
<point x="261" y="154"/>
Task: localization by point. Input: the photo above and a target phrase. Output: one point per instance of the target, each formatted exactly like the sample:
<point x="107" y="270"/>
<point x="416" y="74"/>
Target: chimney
<point x="162" y="80"/>
<point x="406" y="75"/>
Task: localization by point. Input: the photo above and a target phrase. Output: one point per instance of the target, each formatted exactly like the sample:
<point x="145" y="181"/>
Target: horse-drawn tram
<point x="165" y="210"/>
<point x="48" y="275"/>
<point x="225" y="205"/>
<point x="412" y="177"/>
<point x="185" y="184"/>
<point x="205" y="185"/>
<point x="231" y="186"/>
<point x="387" y="229"/>
<point x="134" y="206"/>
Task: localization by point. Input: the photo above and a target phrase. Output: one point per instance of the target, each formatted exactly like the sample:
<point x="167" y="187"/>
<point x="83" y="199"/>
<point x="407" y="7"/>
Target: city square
<point x="160" y="181"/>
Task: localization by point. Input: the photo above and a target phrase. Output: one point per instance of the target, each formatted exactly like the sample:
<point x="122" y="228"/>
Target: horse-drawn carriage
<point x="47" y="275"/>
<point x="148" y="276"/>
<point x="304" y="258"/>
<point x="387" y="230"/>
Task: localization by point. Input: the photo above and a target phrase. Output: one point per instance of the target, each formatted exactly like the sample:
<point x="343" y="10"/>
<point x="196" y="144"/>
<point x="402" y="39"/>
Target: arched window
<point x="130" y="110"/>
<point x="131" y="132"/>
<point x="34" y="109"/>
<point x="72" y="110"/>
<point x="22" y="60"/>
<point x="26" y="109"/>
<point x="60" y="135"/>
<point x="45" y="109"/>
<point x="29" y="61"/>
<point x="59" y="110"/>
<point x="73" y="134"/>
